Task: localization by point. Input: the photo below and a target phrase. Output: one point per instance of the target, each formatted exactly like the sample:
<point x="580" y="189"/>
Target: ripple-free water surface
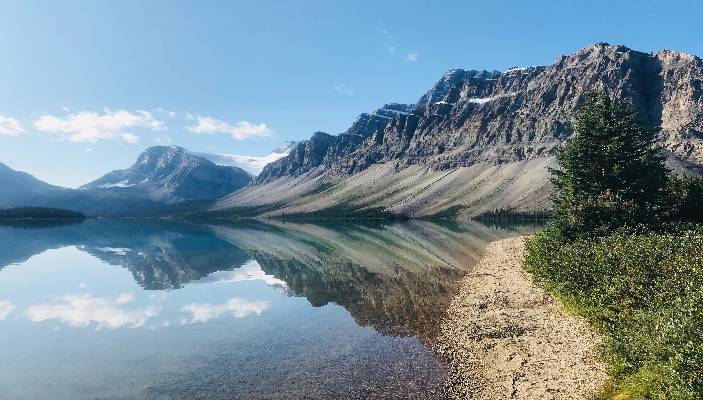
<point x="118" y="309"/>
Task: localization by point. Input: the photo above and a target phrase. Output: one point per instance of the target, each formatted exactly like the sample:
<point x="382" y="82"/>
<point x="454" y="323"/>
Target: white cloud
<point x="239" y="131"/>
<point x="129" y="138"/>
<point x="343" y="89"/>
<point x="412" y="57"/>
<point x="10" y="126"/>
<point x="168" y="113"/>
<point x="6" y="308"/>
<point x="238" y="308"/>
<point x="84" y="310"/>
<point x="91" y="126"/>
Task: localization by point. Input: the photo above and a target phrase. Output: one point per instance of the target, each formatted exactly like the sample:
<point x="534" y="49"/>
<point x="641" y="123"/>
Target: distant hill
<point x="19" y="187"/>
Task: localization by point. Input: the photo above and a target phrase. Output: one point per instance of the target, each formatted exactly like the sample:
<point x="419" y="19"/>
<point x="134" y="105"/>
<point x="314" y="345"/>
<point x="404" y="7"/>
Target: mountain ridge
<point x="162" y="176"/>
<point x="170" y="174"/>
<point x="472" y="124"/>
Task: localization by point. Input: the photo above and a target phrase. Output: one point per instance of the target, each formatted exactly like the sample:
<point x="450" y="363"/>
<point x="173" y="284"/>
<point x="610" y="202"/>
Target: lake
<point x="150" y="309"/>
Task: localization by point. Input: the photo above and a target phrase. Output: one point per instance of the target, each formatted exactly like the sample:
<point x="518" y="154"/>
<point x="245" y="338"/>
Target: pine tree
<point x="611" y="172"/>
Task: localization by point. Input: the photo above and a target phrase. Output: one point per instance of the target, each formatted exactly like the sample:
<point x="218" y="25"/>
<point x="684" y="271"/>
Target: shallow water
<point x="132" y="309"/>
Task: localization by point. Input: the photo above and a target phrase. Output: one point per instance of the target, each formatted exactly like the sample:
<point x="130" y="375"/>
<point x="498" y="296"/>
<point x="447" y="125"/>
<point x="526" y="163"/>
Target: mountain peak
<point x="172" y="174"/>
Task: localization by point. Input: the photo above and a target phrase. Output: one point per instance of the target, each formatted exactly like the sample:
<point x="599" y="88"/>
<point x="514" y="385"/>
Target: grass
<point x="644" y="293"/>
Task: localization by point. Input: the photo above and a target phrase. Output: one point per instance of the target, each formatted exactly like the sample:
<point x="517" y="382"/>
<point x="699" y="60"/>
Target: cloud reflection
<point x="250" y="271"/>
<point x="238" y="308"/>
<point x="85" y="310"/>
<point x="6" y="308"/>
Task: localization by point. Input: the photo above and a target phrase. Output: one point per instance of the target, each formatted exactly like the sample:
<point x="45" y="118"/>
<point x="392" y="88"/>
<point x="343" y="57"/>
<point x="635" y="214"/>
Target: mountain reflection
<point x="396" y="278"/>
<point x="159" y="254"/>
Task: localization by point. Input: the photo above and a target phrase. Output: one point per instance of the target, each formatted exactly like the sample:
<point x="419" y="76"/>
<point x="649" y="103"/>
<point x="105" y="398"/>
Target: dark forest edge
<point x="504" y="214"/>
<point x="40" y="213"/>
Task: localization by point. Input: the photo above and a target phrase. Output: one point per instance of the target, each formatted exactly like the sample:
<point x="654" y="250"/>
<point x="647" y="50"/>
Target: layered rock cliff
<point x="489" y="120"/>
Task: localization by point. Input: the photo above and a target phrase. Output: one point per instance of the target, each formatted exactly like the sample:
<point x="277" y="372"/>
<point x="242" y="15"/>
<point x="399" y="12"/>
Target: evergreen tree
<point x="611" y="172"/>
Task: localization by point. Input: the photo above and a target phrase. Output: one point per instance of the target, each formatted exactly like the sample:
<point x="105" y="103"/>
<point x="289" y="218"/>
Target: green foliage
<point x="611" y="173"/>
<point x="623" y="250"/>
<point x="686" y="198"/>
<point x="507" y="214"/>
<point x="39" y="213"/>
<point x="644" y="293"/>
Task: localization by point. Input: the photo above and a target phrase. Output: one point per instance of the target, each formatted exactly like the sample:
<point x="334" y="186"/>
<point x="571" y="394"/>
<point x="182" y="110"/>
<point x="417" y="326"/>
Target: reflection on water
<point x="157" y="309"/>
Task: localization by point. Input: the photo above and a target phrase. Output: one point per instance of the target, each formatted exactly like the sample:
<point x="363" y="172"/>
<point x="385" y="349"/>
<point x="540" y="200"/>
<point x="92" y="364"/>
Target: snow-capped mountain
<point x="170" y="174"/>
<point x="252" y="164"/>
<point x="161" y="176"/>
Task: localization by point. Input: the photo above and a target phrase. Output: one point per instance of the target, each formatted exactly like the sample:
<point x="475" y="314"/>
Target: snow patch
<point x="483" y="100"/>
<point x="121" y="184"/>
<point x="120" y="251"/>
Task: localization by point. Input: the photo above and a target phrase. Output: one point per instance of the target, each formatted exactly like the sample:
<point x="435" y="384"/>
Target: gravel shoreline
<point x="505" y="338"/>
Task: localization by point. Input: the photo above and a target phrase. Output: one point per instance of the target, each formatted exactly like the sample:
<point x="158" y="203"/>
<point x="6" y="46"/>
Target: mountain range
<point x="161" y="176"/>
<point x="476" y="141"/>
<point x="480" y="140"/>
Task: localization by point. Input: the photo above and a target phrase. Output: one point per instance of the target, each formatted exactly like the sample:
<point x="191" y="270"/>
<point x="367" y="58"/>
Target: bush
<point x="686" y="198"/>
<point x="644" y="292"/>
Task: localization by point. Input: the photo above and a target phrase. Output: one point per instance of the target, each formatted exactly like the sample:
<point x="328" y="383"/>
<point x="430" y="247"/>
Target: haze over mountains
<point x="476" y="141"/>
<point x="252" y="164"/>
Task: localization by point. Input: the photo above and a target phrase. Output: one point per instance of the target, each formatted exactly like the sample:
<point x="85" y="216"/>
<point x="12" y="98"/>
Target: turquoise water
<point x="134" y="309"/>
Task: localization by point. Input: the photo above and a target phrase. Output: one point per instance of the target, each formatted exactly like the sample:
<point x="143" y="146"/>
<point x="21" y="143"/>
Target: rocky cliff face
<point x="522" y="113"/>
<point x="476" y="123"/>
<point x="328" y="151"/>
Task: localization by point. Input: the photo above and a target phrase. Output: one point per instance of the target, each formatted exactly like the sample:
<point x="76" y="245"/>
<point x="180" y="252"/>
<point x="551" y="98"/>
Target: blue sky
<point x="89" y="84"/>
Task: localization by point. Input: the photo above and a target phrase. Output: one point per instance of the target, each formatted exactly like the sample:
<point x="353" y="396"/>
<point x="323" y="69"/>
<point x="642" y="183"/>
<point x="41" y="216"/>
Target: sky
<point x="88" y="85"/>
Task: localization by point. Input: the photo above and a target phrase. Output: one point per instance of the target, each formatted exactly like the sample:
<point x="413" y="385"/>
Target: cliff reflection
<point x="396" y="278"/>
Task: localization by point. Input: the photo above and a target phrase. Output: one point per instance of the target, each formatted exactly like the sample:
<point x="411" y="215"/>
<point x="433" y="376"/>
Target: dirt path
<point x="504" y="338"/>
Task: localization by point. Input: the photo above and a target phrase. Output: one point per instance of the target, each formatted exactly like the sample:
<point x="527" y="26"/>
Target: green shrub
<point x="644" y="292"/>
<point x="685" y="198"/>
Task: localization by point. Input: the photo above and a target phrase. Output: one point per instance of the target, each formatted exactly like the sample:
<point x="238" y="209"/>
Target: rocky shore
<point x="505" y="338"/>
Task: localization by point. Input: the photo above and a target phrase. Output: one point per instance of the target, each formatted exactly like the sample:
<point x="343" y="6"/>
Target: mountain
<point x="252" y="164"/>
<point x="481" y="140"/>
<point x="170" y="174"/>
<point x="20" y="187"/>
<point x="161" y="177"/>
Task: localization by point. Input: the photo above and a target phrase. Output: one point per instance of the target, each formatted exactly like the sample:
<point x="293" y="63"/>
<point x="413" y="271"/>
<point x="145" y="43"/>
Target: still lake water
<point x="146" y="309"/>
